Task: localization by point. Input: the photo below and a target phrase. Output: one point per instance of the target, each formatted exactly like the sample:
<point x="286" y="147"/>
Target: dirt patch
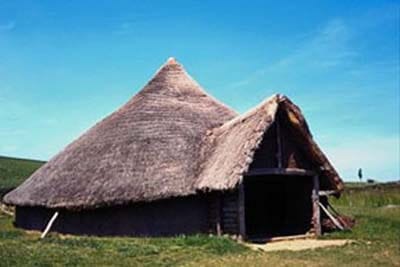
<point x="296" y="245"/>
<point x="391" y="206"/>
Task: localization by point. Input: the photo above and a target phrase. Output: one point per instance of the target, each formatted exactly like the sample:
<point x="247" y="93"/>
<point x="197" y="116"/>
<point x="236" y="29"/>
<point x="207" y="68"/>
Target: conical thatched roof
<point x="148" y="149"/>
<point x="171" y="139"/>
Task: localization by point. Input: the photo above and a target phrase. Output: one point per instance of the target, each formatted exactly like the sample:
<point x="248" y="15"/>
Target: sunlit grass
<point x="376" y="237"/>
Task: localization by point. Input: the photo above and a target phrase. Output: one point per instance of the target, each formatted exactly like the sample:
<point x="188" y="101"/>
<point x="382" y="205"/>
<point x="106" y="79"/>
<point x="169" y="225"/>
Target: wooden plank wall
<point x="265" y="155"/>
<point x="280" y="148"/>
<point x="229" y="218"/>
<point x="213" y="212"/>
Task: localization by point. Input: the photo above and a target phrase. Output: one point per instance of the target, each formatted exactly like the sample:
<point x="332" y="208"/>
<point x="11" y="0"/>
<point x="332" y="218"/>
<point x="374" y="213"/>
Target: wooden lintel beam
<point x="282" y="171"/>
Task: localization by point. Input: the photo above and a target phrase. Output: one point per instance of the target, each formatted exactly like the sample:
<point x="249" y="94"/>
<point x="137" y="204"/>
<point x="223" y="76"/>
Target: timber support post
<point x="278" y="143"/>
<point x="241" y="212"/>
<point x="218" y="214"/>
<point x="316" y="218"/>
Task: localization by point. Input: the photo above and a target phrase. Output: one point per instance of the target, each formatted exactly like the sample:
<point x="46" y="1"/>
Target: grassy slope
<point x="377" y="236"/>
<point x="15" y="171"/>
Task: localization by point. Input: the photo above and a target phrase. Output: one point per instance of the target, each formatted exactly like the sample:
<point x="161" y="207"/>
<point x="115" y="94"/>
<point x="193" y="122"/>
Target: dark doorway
<point x="277" y="205"/>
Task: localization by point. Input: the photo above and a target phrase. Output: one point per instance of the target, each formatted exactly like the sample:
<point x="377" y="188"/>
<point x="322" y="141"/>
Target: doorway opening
<point x="277" y="205"/>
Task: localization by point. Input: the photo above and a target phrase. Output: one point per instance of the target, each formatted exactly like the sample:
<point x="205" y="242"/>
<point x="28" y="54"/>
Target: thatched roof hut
<point x="175" y="160"/>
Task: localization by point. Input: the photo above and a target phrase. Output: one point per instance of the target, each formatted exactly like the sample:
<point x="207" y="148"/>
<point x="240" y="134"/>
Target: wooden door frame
<point x="316" y="219"/>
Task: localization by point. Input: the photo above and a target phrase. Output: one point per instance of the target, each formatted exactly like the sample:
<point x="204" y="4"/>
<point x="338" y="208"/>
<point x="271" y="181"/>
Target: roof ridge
<point x="268" y="100"/>
<point x="174" y="63"/>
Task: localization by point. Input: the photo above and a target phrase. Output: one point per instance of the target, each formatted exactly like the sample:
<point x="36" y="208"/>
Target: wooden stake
<point x="333" y="209"/>
<point x="338" y="225"/>
<point x="49" y="225"/>
<point x="327" y="193"/>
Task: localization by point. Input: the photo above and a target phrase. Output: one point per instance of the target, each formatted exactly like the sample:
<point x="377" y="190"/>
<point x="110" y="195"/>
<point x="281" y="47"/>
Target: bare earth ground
<point x="297" y="245"/>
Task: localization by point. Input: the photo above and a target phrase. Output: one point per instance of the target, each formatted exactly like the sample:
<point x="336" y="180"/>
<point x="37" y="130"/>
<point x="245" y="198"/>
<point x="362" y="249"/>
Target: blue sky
<point x="66" y="64"/>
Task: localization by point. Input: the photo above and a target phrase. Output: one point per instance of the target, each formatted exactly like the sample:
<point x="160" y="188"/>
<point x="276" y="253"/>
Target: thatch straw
<point x="231" y="147"/>
<point x="148" y="149"/>
<point x="170" y="140"/>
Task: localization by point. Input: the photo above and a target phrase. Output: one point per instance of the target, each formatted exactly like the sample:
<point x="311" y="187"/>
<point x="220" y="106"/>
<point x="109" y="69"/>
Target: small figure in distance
<point x="360" y="174"/>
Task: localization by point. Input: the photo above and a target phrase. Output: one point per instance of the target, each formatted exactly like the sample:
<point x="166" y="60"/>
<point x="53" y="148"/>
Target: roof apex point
<point x="171" y="61"/>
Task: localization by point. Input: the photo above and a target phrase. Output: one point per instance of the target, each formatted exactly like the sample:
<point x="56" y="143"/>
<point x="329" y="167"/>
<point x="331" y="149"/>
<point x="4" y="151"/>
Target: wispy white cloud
<point x="124" y="28"/>
<point x="376" y="155"/>
<point x="336" y="44"/>
<point x="328" y="47"/>
<point x="8" y="26"/>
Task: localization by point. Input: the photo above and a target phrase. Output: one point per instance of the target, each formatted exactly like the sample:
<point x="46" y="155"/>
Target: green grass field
<point x="14" y="171"/>
<point x="376" y="235"/>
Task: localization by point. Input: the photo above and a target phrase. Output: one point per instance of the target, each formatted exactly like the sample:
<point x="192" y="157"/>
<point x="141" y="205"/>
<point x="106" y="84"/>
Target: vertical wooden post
<point x="316" y="220"/>
<point x="278" y="142"/>
<point x="241" y="211"/>
<point x="218" y="214"/>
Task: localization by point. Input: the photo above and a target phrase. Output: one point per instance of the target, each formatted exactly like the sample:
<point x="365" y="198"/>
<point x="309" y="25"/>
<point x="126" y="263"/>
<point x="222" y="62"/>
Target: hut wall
<point x="160" y="218"/>
<point x="292" y="156"/>
<point x="223" y="212"/>
<point x="265" y="155"/>
<point x="229" y="214"/>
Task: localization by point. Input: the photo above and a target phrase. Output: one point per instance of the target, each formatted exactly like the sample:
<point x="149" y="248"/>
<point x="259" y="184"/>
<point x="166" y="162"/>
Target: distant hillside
<point x="14" y="171"/>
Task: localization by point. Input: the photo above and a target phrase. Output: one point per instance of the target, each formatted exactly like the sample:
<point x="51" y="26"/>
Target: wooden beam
<point x="278" y="143"/>
<point x="327" y="193"/>
<point x="279" y="171"/>
<point x="280" y="238"/>
<point x="336" y="222"/>
<point x="316" y="219"/>
<point x="218" y="214"/>
<point x="3" y="209"/>
<point x="49" y="225"/>
<point x="332" y="208"/>
<point x="241" y="212"/>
